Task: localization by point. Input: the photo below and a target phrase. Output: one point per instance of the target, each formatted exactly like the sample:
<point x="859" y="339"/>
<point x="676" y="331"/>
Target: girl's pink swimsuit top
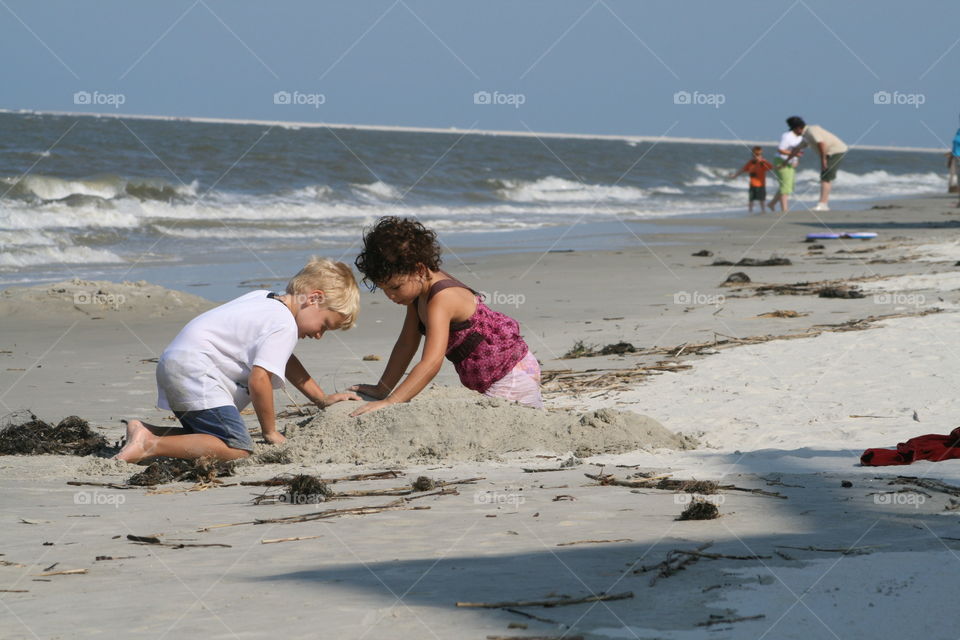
<point x="483" y="348"/>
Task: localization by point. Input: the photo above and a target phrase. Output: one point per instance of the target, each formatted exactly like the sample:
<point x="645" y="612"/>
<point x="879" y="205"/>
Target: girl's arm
<point x="403" y="351"/>
<point x="440" y="310"/>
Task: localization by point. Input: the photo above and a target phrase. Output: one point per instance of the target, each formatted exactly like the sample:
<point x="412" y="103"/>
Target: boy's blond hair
<point x="336" y="280"/>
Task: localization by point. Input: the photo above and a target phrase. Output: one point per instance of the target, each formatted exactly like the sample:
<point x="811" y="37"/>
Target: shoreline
<point x="217" y="279"/>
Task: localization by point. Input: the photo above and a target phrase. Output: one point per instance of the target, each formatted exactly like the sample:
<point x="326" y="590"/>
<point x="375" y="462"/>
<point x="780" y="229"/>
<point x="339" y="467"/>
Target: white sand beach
<point x="776" y="408"/>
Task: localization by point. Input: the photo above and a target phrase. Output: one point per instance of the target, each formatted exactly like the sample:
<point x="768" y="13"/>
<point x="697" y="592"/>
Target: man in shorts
<point x="831" y="150"/>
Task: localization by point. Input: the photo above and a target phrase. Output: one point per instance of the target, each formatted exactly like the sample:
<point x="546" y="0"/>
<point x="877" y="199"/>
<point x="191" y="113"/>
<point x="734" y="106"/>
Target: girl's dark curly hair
<point x="396" y="246"/>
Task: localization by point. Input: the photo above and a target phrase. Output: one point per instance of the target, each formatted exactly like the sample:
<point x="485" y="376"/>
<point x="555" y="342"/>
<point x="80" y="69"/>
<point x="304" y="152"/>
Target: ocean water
<point x="102" y="197"/>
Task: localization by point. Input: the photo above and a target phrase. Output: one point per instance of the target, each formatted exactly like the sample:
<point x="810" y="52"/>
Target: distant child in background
<point x="955" y="157"/>
<point x="757" y="168"/>
<point x="402" y="257"/>
<point x="786" y="163"/>
<point x="238" y="352"/>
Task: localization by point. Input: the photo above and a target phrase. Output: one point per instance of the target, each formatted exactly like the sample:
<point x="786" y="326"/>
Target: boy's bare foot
<point x="138" y="443"/>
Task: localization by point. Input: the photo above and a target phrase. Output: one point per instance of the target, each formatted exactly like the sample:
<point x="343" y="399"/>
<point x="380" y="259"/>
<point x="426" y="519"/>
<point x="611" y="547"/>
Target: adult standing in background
<point x="786" y="166"/>
<point x="831" y="150"/>
<point x="954" y="159"/>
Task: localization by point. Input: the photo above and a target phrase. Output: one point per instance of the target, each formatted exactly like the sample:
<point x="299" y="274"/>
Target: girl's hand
<point x="334" y="398"/>
<point x="372" y="390"/>
<point x="274" y="438"/>
<point x="370" y="406"/>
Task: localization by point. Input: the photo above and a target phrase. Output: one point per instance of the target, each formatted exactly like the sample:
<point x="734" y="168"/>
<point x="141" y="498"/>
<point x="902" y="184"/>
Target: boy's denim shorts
<point x="222" y="422"/>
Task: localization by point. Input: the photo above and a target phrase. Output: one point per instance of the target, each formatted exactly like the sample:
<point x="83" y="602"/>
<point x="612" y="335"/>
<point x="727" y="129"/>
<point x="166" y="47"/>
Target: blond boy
<point x="239" y="353"/>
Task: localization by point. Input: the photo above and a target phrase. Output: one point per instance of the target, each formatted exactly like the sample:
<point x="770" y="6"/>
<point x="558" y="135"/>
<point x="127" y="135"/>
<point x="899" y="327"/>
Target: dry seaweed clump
<point x="25" y="434"/>
<point x="704" y="487"/>
<point x="699" y="510"/>
<point x="423" y="483"/>
<point x="273" y="455"/>
<point x="166" y="470"/>
<point x="306" y="489"/>
<point x="581" y="350"/>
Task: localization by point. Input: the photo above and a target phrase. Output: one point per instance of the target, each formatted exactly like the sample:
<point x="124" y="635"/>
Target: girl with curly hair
<point x="402" y="257"/>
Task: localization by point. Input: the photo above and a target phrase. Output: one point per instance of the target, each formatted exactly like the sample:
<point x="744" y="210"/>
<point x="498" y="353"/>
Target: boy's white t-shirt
<point x="209" y="362"/>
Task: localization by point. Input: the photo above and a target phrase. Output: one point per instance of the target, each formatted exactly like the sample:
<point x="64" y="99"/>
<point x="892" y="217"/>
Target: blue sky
<point x="873" y="71"/>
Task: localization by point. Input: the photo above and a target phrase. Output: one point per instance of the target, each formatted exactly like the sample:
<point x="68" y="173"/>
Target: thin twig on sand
<point x="65" y="572"/>
<point x="109" y="485"/>
<point x="154" y="540"/>
<point x="282" y="480"/>
<point x="847" y="551"/>
<point x="556" y="602"/>
<point x="570" y="544"/>
<point x="721" y="620"/>
<point x="275" y="540"/>
<point x="396" y="505"/>
<point x="927" y="483"/>
<point x="673" y="563"/>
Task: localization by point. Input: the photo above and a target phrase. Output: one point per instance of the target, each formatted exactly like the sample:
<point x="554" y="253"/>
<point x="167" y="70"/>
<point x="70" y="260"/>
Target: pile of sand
<point x="457" y="424"/>
<point x="99" y="298"/>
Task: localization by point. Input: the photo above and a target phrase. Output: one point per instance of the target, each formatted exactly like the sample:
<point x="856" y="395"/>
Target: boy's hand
<point x="334" y="398"/>
<point x="274" y="438"/>
<point x="370" y="406"/>
<point x="372" y="390"/>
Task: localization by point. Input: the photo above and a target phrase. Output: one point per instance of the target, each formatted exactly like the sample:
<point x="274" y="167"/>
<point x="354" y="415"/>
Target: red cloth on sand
<point x="929" y="447"/>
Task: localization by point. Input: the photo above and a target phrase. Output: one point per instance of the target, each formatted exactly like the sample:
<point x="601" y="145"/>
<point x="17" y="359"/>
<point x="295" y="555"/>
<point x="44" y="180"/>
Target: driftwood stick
<point x="398" y="491"/>
<point x="154" y="540"/>
<point x="65" y="572"/>
<point x="109" y="485"/>
<point x="928" y="483"/>
<point x="335" y="513"/>
<point x="558" y="602"/>
<point x="376" y="475"/>
<point x="570" y="544"/>
<point x="718" y="556"/>
<point x="563" y="637"/>
<point x="275" y="540"/>
<point x="674" y="562"/>
<point x="721" y="620"/>
<point x="396" y="505"/>
<point x="281" y="480"/>
<point x="531" y="616"/>
<point x="847" y="551"/>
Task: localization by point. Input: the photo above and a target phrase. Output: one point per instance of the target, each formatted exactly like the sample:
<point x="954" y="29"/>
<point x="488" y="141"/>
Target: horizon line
<point x="450" y="130"/>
